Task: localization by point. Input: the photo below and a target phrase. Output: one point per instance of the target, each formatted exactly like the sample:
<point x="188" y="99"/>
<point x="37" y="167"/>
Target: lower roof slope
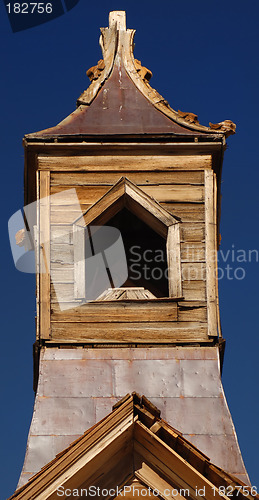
<point x="133" y="442"/>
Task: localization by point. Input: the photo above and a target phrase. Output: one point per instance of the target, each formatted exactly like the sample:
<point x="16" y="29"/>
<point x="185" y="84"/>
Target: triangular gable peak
<point x="120" y="101"/>
<point x="126" y="194"/>
<point x="130" y="447"/>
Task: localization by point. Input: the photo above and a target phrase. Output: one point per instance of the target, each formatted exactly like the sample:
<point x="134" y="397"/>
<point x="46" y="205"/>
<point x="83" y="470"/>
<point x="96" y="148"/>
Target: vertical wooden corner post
<point x="44" y="256"/>
<point x="211" y="256"/>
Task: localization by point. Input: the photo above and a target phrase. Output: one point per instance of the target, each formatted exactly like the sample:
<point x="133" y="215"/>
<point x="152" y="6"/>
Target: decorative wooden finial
<point x="227" y="127"/>
<point x="118" y="17"/>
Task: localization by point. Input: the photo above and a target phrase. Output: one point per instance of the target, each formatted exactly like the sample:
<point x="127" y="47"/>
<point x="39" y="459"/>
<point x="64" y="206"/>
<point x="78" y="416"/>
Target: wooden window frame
<point x="126" y="194"/>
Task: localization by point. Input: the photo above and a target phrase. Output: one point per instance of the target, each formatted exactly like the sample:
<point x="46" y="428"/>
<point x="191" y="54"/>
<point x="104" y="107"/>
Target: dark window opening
<point x="145" y="252"/>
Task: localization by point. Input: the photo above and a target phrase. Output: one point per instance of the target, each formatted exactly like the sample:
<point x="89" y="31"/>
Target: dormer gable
<point x="127" y="195"/>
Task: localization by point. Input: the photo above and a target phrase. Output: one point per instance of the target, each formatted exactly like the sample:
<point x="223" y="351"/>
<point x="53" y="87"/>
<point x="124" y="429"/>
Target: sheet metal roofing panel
<point x="78" y="387"/>
<point x="119" y="108"/>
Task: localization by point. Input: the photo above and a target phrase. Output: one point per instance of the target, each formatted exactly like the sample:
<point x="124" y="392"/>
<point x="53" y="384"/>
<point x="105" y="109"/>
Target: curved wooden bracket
<point x="98" y="74"/>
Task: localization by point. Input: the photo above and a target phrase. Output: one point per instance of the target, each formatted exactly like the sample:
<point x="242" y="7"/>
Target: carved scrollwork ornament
<point x="227" y="127"/>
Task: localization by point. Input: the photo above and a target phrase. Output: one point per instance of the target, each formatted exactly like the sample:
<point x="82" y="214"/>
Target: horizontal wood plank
<point x="192" y="232"/>
<point x="193" y="271"/>
<point x="161" y="192"/>
<point x="73" y="179"/>
<point x="118" y="312"/>
<point x="194" y="290"/>
<point x="67" y="214"/>
<point x="130" y="332"/>
<point x="187" y="311"/>
<point x="86" y="194"/>
<point x="61" y="234"/>
<point x="192" y="311"/>
<point x="61" y="273"/>
<point x="193" y="251"/>
<point x="62" y="254"/>
<point x="188" y="212"/>
<point x="124" y="162"/>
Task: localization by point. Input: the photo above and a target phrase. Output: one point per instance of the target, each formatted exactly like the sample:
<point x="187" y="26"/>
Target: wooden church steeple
<point x="123" y="127"/>
<point x="125" y="159"/>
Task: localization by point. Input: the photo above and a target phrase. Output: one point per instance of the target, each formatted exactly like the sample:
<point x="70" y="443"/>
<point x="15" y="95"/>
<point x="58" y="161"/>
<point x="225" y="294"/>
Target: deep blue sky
<point x="204" y="58"/>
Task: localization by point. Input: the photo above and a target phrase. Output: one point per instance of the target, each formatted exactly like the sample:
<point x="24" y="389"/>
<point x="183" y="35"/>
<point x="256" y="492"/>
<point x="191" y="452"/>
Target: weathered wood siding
<point x="178" y="183"/>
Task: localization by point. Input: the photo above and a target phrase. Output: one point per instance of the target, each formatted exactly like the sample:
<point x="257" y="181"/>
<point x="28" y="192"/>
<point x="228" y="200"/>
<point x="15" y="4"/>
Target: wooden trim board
<point x="44" y="244"/>
<point x="210" y="252"/>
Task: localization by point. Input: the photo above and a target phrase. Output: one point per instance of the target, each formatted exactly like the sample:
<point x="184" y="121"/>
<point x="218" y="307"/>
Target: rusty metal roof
<point x="121" y="101"/>
<point x="118" y="108"/>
